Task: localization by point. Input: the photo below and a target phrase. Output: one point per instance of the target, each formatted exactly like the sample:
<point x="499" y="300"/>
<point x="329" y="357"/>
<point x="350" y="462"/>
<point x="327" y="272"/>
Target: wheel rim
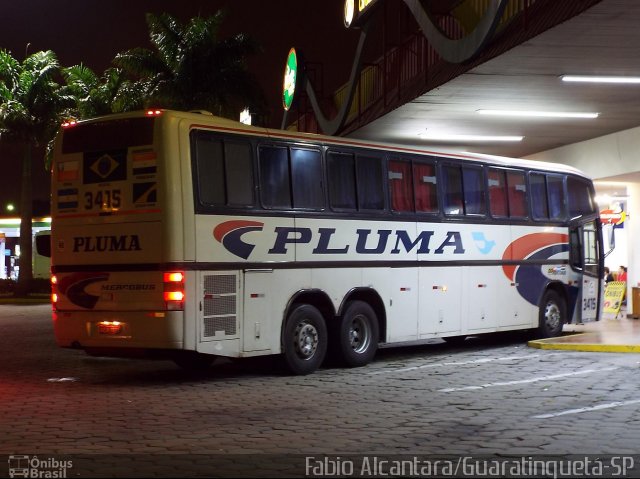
<point x="552" y="316"/>
<point x="360" y="333"/>
<point x="305" y="339"/>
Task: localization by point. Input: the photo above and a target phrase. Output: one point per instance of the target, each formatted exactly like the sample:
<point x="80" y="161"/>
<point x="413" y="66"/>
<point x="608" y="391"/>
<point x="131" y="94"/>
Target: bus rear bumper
<point x="93" y="330"/>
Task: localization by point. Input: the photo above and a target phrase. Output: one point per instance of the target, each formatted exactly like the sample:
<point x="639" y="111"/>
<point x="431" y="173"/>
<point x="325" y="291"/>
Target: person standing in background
<point x="608" y="275"/>
<point x="622" y="274"/>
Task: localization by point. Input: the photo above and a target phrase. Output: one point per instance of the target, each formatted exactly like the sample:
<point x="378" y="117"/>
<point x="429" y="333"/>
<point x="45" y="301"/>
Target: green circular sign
<point x="290" y="77"/>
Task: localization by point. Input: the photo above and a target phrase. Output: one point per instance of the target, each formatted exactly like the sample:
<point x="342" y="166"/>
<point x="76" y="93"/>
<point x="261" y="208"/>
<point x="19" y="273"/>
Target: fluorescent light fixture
<point x="462" y="138"/>
<point x="600" y="79"/>
<point x="539" y="114"/>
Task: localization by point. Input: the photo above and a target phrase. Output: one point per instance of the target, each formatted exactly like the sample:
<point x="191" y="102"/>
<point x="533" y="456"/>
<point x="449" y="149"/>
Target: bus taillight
<point x="54" y="291"/>
<point x="174" y="290"/>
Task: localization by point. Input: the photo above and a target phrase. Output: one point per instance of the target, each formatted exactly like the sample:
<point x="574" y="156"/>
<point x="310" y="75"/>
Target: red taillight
<point x="173" y="294"/>
<point x="54" y="291"/>
<point x="69" y="123"/>
<point x="154" y="112"/>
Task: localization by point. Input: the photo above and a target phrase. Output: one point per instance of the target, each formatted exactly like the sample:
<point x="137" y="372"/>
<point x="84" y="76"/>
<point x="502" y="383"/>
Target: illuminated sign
<point x="349" y="12"/>
<point x="245" y="116"/>
<point x="290" y="77"/>
<point x="362" y="4"/>
<point x="612" y="217"/>
<point x="353" y="17"/>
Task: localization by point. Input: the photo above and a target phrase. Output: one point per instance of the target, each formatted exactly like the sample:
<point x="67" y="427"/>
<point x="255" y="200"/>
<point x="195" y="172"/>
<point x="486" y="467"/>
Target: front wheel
<point x="553" y="315"/>
<point x="358" y="334"/>
<point x="304" y="339"/>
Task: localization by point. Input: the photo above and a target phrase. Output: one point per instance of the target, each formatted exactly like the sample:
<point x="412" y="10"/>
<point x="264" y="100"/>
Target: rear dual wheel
<point x="355" y="339"/>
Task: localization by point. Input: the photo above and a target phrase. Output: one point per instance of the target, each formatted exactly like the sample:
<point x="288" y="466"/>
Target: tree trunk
<point x="25" y="275"/>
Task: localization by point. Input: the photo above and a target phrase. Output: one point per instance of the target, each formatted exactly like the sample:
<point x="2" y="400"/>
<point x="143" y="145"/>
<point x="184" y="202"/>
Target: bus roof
<point x="207" y="120"/>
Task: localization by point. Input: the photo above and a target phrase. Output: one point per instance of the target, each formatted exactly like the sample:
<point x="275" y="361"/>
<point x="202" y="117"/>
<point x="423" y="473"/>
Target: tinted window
<point x="473" y="185"/>
<point x="274" y="177"/>
<point x="426" y="187"/>
<point x="579" y="196"/>
<point x="108" y="135"/>
<point x="369" y="175"/>
<point x="224" y="171"/>
<point x="517" y="190"/>
<point x="401" y="185"/>
<point x="210" y="170"/>
<point x="306" y="172"/>
<point x="555" y="190"/>
<point x="342" y="180"/>
<point x="498" y="192"/>
<point x="539" y="207"/>
<point x="452" y="188"/>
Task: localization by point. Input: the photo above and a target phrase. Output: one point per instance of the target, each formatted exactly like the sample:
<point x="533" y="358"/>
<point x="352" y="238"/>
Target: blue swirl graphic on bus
<point x="229" y="234"/>
<point x="483" y="244"/>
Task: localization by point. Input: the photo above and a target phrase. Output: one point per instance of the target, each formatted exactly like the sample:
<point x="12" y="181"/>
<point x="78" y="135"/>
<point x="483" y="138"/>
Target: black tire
<point x="304" y="339"/>
<point x="455" y="340"/>
<point x="356" y="341"/>
<point x="193" y="361"/>
<point x="552" y="316"/>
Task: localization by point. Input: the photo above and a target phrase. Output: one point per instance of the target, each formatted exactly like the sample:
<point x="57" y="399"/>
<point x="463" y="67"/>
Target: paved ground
<point x="122" y="418"/>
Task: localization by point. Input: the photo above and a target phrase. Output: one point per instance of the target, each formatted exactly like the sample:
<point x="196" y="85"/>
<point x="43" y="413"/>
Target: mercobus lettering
<point x="88" y="244"/>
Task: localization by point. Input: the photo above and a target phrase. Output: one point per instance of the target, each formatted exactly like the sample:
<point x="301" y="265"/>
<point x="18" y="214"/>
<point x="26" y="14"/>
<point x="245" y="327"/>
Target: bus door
<point x="586" y="260"/>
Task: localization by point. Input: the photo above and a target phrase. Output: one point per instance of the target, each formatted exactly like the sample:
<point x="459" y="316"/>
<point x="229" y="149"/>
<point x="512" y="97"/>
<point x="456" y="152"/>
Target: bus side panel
<point x="536" y="244"/>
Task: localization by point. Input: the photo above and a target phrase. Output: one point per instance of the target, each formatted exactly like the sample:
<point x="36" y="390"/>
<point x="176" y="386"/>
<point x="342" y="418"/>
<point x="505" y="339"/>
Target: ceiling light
<point x="539" y="114"/>
<point x="599" y="79"/>
<point x="461" y="138"/>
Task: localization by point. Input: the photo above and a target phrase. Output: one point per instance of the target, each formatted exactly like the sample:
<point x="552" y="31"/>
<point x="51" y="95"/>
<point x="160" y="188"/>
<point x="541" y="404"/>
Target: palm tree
<point x="95" y="95"/>
<point x="30" y="107"/>
<point x="190" y="68"/>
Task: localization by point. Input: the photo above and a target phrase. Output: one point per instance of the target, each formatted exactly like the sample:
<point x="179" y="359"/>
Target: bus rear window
<point x="108" y="135"/>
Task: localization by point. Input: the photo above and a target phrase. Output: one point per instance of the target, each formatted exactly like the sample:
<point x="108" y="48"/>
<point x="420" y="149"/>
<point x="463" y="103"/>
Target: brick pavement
<point x="125" y="418"/>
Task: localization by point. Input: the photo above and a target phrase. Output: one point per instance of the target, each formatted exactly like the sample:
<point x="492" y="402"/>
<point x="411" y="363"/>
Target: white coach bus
<point x="188" y="236"/>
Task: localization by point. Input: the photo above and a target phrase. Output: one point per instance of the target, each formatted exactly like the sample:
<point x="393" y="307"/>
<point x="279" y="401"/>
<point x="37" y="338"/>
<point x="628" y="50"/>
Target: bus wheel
<point x="193" y="361"/>
<point x="357" y="340"/>
<point x="553" y="315"/>
<point x="305" y="339"/>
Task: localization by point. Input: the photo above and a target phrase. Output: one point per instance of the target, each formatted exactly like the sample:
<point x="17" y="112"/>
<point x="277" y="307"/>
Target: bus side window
<point x="555" y="190"/>
<point x="474" y="194"/>
<point x="239" y="173"/>
<point x="498" y="193"/>
<point x="426" y="187"/>
<point x="369" y="183"/>
<point x="400" y="185"/>
<point x="274" y="177"/>
<point x="452" y="188"/>
<point x="539" y="207"/>
<point x="210" y="170"/>
<point x="306" y="174"/>
<point x="517" y="190"/>
<point x="579" y="197"/>
<point x="224" y="171"/>
<point x="342" y="180"/>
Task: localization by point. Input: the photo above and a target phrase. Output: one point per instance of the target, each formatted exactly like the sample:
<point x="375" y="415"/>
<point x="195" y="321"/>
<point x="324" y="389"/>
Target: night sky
<point x="92" y="33"/>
